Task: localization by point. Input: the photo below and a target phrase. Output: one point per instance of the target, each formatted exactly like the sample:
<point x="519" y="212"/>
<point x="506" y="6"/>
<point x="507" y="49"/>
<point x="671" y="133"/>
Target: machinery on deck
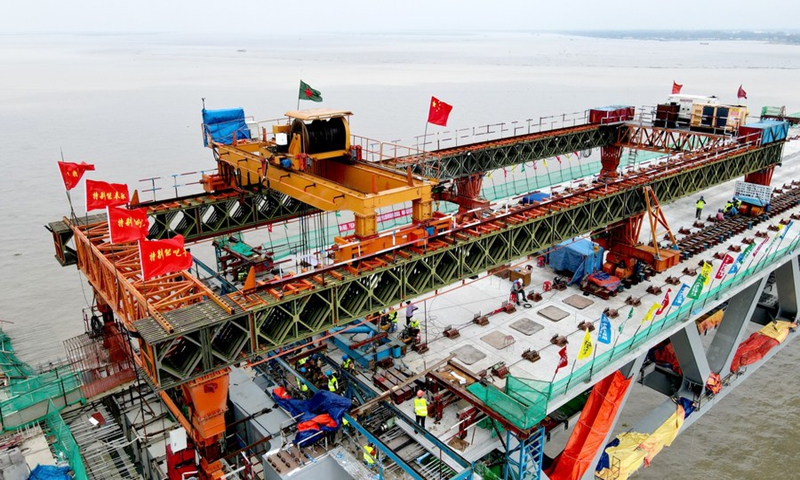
<point x="186" y="336"/>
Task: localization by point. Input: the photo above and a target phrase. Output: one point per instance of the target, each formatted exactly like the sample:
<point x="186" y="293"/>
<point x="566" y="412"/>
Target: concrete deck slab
<point x="526" y="326"/>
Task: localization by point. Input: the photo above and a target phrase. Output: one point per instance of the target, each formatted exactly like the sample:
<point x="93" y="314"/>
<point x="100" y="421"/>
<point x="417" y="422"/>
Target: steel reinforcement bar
<point x="206" y="338"/>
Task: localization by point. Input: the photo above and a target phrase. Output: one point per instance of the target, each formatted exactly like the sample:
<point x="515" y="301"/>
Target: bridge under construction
<point x="529" y="317"/>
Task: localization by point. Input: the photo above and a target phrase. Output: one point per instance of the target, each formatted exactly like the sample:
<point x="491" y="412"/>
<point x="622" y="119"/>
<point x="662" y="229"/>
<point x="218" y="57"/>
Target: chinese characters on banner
<point x="102" y="194"/>
<point x="127" y="225"/>
<point x="159" y="257"/>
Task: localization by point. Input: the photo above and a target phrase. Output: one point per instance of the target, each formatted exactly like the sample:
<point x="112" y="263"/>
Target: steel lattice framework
<point x="667" y="140"/>
<point x="462" y="162"/>
<point x="207" y="338"/>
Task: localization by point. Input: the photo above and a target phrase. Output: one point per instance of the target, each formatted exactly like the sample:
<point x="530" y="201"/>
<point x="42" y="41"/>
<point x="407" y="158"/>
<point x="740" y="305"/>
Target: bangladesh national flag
<point x="308" y="93"/>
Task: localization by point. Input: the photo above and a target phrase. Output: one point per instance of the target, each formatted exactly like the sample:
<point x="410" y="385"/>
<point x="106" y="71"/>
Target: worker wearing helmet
<point x="420" y="408"/>
<point x="392" y="321"/>
<point x="333" y="383"/>
<point x="517" y="290"/>
<point x="699" y="207"/>
<point x="300" y="384"/>
<point x="369" y="455"/>
<point x="347" y="363"/>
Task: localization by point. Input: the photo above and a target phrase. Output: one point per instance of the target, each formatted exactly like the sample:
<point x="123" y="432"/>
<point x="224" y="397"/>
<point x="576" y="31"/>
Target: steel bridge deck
<point x="298" y="307"/>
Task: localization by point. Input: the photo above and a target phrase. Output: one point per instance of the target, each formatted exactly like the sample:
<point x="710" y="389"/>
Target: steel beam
<point x="464" y="161"/>
<point x="787" y="281"/>
<point x="358" y="292"/>
<point x="729" y="334"/>
<point x="691" y="354"/>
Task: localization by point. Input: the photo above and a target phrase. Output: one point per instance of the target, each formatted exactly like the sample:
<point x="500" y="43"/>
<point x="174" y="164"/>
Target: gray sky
<point x="263" y="16"/>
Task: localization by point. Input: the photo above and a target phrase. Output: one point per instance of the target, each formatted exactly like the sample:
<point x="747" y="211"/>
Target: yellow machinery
<point x="310" y="158"/>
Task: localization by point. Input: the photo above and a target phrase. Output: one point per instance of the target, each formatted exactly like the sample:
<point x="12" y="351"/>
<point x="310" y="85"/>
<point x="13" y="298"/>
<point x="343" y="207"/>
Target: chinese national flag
<point x="563" y="361"/>
<point x="159" y="257"/>
<point x="676" y="88"/>
<point x="439" y="112"/>
<point x="127" y="225"/>
<point x="101" y="194"/>
<point x="741" y="93"/>
<point x="71" y="173"/>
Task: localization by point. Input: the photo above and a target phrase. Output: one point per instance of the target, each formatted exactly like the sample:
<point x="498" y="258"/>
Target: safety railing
<point x="497" y="131"/>
<point x="174" y="185"/>
<point x="64" y="445"/>
<point x="673" y="316"/>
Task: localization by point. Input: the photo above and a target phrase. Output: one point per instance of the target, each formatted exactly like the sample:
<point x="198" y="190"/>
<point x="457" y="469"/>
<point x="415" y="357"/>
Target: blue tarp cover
<point x="577" y="257"/>
<point x="322" y="402"/>
<point x="221" y="124"/>
<point x="535" y="197"/>
<point x="50" y="472"/>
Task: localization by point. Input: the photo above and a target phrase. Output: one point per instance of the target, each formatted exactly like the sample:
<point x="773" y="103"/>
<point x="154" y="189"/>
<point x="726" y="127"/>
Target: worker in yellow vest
<point x="699" y="206"/>
<point x="413" y="329"/>
<point x="302" y="386"/>
<point x="369" y="455"/>
<point x="333" y="383"/>
<point x="393" y="321"/>
<point x="420" y="408"/>
<point x="347" y="363"/>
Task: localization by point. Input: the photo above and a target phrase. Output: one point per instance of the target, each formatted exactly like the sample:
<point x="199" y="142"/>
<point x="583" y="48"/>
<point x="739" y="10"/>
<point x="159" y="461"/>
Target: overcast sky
<point x="264" y="16"/>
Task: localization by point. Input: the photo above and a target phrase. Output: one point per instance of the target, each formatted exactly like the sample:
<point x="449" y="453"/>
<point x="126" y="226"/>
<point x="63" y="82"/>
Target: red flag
<point x="101" y="194"/>
<point x="741" y="93"/>
<point x="127" y="225"/>
<point x="163" y="256"/>
<point x="728" y="260"/>
<point x="563" y="361"/>
<point x="439" y="112"/>
<point x="676" y="88"/>
<point x="664" y="302"/>
<point x="71" y="173"/>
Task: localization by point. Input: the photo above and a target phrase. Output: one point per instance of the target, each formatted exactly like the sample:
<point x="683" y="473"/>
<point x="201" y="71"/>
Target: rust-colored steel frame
<point x="294" y="309"/>
<point x="667" y="140"/>
<point x="115" y="272"/>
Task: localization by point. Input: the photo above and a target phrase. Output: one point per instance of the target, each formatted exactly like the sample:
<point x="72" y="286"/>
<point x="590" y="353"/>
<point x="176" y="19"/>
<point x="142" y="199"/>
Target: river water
<point x="131" y="104"/>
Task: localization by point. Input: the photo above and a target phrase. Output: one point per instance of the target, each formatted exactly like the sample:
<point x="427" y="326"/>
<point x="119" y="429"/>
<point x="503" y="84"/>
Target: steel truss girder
<point x="461" y="162"/>
<point x="667" y="140"/>
<point x="214" y="340"/>
<point x="204" y="216"/>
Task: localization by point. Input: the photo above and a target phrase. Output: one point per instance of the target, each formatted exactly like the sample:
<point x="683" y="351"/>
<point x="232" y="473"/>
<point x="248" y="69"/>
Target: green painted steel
<point x="206" y="338"/>
<point x="487" y="156"/>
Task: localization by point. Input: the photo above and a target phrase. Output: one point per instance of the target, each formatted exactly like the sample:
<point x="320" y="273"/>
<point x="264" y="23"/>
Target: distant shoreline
<point x="789" y="38"/>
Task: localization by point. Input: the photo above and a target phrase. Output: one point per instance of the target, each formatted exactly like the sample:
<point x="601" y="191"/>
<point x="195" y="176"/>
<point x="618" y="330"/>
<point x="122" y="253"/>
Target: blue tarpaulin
<point x="535" y="197"/>
<point x="50" y="472"/>
<point x="222" y="124"/>
<point x="321" y="403"/>
<point x="577" y="257"/>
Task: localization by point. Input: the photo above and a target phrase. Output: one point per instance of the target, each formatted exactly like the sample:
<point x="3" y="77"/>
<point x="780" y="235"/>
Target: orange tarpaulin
<point x="592" y="428"/>
<point x="760" y="343"/>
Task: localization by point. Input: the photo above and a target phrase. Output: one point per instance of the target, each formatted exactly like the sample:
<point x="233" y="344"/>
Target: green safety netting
<point x="673" y="316"/>
<point x="65" y="445"/>
<point x="774" y="111"/>
<point x="14" y="369"/>
<point x="57" y="383"/>
<point x="524" y="401"/>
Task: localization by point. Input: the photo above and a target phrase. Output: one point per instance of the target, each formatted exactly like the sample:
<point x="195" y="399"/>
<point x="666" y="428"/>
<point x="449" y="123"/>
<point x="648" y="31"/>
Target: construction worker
<point x="413" y="329"/>
<point x="729" y="208"/>
<point x="410" y="309"/>
<point x="301" y="362"/>
<point x="333" y="383"/>
<point x="737" y="203"/>
<point x="720" y="215"/>
<point x="420" y="408"/>
<point x="300" y="384"/>
<point x="517" y="290"/>
<point x="392" y="321"/>
<point x="699" y="206"/>
<point x="347" y="363"/>
<point x="369" y="455"/>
